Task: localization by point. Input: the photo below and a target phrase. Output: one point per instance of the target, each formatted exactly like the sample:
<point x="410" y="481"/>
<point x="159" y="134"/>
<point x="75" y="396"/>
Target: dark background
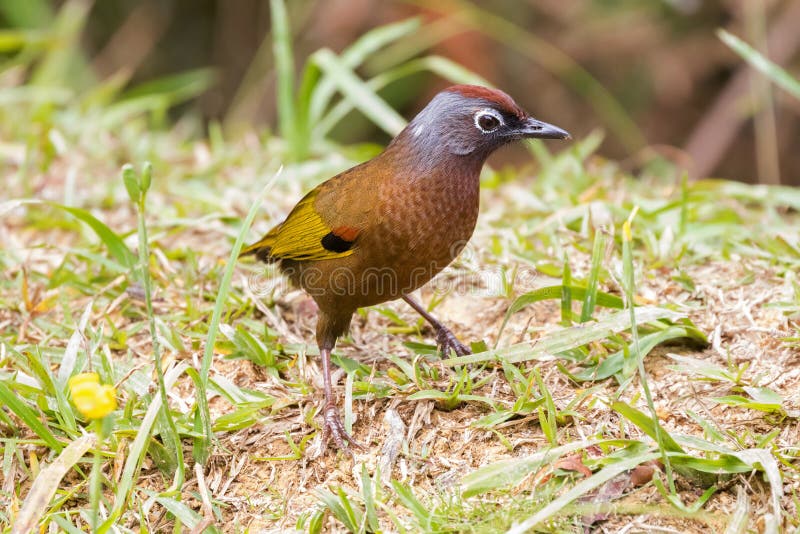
<point x="690" y="98"/>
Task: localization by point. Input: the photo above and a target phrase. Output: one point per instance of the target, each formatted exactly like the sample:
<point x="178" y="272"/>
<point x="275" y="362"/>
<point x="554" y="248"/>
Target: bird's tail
<point x="262" y="249"/>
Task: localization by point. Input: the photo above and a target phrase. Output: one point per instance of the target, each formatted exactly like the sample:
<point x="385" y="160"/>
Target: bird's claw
<point x="447" y="341"/>
<point x="333" y="428"/>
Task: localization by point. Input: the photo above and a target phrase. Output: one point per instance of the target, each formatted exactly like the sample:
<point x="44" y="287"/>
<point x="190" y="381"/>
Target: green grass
<point x="73" y="264"/>
<point x="673" y="339"/>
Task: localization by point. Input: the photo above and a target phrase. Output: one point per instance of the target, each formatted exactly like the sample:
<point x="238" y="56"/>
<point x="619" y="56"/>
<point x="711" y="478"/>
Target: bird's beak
<point x="537" y="129"/>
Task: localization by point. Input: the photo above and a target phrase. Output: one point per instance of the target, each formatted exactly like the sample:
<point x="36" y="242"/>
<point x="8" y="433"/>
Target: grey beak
<point x="537" y="129"/>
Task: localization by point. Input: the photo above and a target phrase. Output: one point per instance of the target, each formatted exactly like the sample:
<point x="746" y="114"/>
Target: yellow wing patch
<point x="300" y="236"/>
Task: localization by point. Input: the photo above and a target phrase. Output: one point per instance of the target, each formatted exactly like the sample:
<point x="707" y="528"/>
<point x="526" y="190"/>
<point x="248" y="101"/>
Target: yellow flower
<point x="93" y="400"/>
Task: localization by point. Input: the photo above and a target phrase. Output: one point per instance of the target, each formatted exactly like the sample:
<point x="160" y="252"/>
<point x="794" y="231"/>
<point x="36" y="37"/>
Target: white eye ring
<point x="485" y="113"/>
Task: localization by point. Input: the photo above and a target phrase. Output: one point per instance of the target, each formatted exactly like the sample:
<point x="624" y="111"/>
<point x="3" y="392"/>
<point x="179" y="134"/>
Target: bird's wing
<point x="304" y="235"/>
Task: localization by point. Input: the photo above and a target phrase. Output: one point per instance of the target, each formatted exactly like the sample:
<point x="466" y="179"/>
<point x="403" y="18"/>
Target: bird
<point x="379" y="230"/>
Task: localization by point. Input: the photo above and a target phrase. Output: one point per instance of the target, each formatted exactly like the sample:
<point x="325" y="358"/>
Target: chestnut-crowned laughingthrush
<point x="380" y="230"/>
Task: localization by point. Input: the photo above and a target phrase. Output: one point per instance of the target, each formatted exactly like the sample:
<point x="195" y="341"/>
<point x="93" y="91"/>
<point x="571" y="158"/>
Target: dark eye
<point x="488" y="122"/>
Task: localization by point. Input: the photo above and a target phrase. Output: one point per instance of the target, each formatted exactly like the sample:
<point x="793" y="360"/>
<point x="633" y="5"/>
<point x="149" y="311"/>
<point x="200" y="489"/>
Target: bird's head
<point x="473" y="120"/>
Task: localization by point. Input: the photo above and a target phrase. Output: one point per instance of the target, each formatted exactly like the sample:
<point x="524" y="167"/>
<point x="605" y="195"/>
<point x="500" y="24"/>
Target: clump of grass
<point x="308" y="112"/>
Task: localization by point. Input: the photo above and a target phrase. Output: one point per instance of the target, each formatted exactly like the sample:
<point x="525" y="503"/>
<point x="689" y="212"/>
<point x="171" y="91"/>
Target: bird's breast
<point x="424" y="227"/>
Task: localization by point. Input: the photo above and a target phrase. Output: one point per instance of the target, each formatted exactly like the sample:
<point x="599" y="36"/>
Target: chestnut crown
<point x="467" y="120"/>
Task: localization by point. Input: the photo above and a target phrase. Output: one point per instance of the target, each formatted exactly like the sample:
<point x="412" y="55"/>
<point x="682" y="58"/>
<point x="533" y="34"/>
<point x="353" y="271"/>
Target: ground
<point x="720" y="257"/>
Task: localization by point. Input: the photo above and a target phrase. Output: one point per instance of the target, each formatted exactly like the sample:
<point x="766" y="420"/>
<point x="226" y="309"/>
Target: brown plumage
<point x="384" y="228"/>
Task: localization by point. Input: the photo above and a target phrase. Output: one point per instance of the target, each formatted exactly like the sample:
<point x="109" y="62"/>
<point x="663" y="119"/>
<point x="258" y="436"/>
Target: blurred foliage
<point x="649" y="73"/>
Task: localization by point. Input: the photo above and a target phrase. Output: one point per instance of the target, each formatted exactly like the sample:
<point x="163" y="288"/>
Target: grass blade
<point x="582" y="488"/>
<point x="607" y="300"/>
<point x="590" y="298"/>
<point x="116" y="246"/>
<point x="37" y="502"/>
<point x="201" y="444"/>
<point x="566" y="295"/>
<point x="507" y="473"/>
<point x="636" y="359"/>
<point x="185" y="515"/>
<point x="769" y="465"/>
<point x="354" y="55"/>
<point x="438" y="65"/>
<point x="567" y="338"/>
<point x="175" y="88"/>
<point x="358" y="93"/>
<point x="138" y="448"/>
<point x="284" y="68"/>
<point x="138" y="186"/>
<point x="738" y="522"/>
<point x="774" y="72"/>
<point x="646" y="424"/>
<point x="28" y="416"/>
<point x="613" y="364"/>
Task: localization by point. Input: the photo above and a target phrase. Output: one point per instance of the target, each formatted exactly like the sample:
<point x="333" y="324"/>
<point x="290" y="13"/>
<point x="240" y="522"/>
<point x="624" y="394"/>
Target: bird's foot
<point x="447" y="341"/>
<point x="333" y="428"/>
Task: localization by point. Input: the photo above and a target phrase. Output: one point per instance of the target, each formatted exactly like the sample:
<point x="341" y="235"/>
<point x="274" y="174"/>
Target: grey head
<point x="470" y="121"/>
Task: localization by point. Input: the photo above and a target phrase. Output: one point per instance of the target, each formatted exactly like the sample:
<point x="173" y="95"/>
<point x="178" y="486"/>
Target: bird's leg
<point x="333" y="426"/>
<point x="445" y="339"/>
